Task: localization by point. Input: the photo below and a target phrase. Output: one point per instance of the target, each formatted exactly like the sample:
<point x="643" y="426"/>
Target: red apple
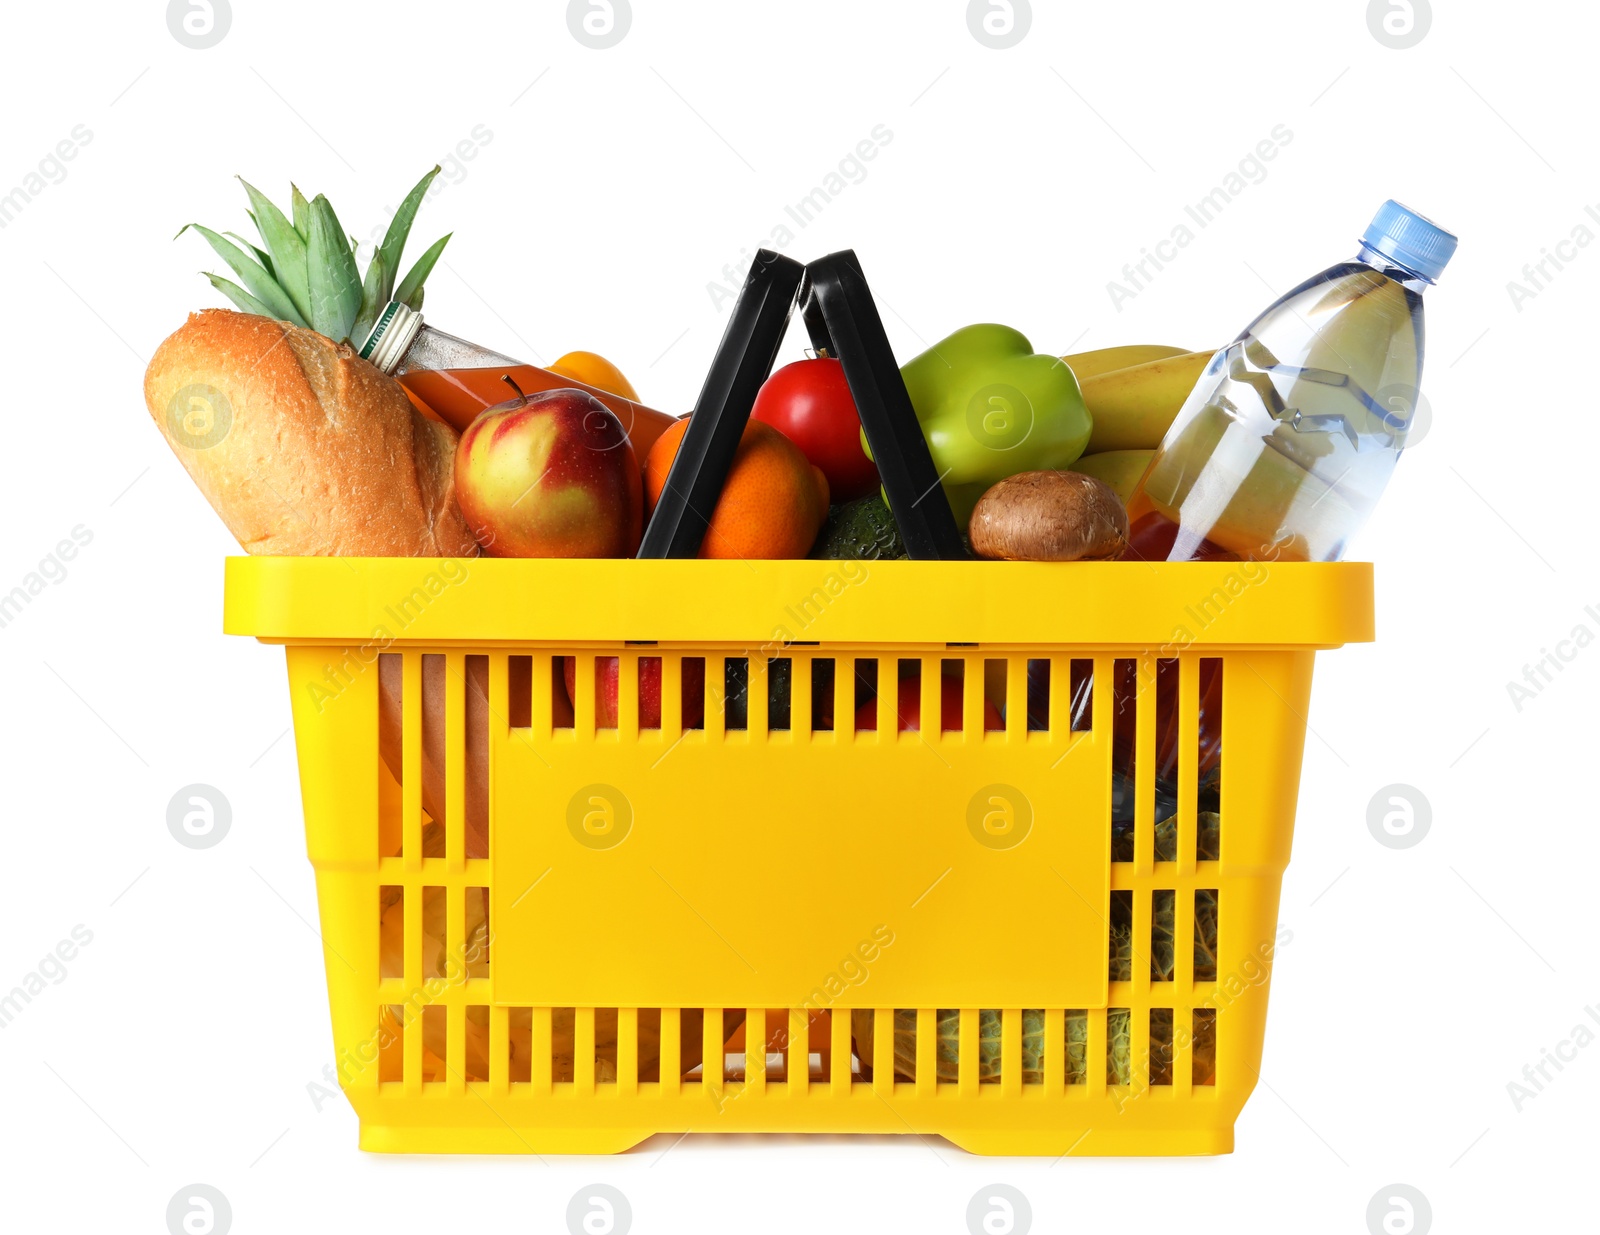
<point x="909" y="707"/>
<point x="605" y="703"/>
<point x="550" y="475"/>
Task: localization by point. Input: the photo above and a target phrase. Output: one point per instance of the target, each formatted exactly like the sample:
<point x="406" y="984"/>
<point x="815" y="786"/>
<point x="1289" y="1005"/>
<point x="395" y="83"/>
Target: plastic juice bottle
<point x="1286" y="442"/>
<point x="455" y="380"/>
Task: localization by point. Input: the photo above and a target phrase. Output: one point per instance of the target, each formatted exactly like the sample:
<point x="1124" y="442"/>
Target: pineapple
<point x="307" y="273"/>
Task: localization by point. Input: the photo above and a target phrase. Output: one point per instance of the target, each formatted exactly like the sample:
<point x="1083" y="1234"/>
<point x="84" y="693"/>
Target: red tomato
<point x="809" y="403"/>
<point x="909" y="708"/>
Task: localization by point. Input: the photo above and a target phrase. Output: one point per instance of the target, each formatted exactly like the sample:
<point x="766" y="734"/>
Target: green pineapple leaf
<point x="251" y="215"/>
<point x="373" y="298"/>
<point x="334" y="282"/>
<point x="302" y="212"/>
<point x="411" y="285"/>
<point x="308" y="271"/>
<point x="238" y="295"/>
<point x="253" y="275"/>
<point x="414" y="301"/>
<point x="287" y="246"/>
<point x="394" y="240"/>
<point x="262" y="256"/>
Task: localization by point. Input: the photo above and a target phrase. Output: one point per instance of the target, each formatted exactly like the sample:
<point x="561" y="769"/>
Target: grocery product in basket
<point x="1160" y="959"/>
<point x="1050" y="516"/>
<point x="475" y="783"/>
<point x="550" y="475"/>
<point x="863" y="529"/>
<point x="595" y="371"/>
<point x="608" y="678"/>
<point x="297" y="447"/>
<point x="1208" y="841"/>
<point x="1133" y="394"/>
<point x="809" y="402"/>
<point x="773" y="502"/>
<point x="301" y="447"/>
<point x="1162" y="687"/>
<point x="1075" y="1034"/>
<point x="1120" y="469"/>
<point x="1085" y="365"/>
<point x="1287" y="441"/>
<point x="736" y="693"/>
<point x="990" y="407"/>
<point x="1133" y="408"/>
<point x="307" y="274"/>
<point x="457" y="380"/>
<point x="947" y="1023"/>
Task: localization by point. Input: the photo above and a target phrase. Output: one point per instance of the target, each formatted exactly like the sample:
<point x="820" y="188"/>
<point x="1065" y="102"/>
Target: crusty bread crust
<point x="301" y="446"/>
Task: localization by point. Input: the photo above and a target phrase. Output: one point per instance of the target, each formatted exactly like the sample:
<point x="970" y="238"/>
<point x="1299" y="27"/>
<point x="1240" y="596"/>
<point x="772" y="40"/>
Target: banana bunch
<point x="1134" y="393"/>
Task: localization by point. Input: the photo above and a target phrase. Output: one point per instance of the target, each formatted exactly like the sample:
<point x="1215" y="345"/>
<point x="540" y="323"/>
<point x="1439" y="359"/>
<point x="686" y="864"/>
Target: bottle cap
<point x="1406" y="237"/>
<point x="396" y="327"/>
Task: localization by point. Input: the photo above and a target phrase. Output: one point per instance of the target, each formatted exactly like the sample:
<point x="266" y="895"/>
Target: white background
<point x="614" y="188"/>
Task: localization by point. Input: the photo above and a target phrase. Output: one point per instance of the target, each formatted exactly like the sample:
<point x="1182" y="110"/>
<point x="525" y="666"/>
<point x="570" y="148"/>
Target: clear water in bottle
<point x="1290" y="435"/>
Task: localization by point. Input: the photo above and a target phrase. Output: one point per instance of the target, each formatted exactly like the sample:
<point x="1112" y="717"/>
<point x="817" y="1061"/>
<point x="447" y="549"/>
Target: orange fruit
<point x="595" y="371"/>
<point x="773" y="503"/>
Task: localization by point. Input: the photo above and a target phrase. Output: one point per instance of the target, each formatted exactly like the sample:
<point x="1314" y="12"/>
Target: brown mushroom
<point x="1049" y="517"/>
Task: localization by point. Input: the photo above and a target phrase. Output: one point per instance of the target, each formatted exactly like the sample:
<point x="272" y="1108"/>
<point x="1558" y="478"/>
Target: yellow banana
<point x="1120" y="469"/>
<point x="1085" y="365"/>
<point x="1134" y="407"/>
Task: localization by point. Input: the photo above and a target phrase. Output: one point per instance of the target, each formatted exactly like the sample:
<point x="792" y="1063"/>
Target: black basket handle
<point x="744" y="359"/>
<point x="843" y="320"/>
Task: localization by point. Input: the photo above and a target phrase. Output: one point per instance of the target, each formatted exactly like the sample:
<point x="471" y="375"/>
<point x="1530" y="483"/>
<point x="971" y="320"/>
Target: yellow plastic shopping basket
<point x="770" y="920"/>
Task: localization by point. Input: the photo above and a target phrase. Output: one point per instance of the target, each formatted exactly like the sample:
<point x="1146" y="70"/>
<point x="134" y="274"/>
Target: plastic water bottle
<point x="1284" y="445"/>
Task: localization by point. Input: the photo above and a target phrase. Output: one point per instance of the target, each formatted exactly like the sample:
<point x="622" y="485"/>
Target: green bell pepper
<point x="990" y="407"/>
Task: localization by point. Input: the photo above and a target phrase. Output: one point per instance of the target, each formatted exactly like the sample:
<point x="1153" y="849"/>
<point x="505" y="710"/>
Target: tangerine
<point x="773" y="503"/>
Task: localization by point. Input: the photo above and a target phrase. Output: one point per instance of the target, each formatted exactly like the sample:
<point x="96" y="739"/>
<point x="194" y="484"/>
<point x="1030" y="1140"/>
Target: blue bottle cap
<point x="1404" y="236"/>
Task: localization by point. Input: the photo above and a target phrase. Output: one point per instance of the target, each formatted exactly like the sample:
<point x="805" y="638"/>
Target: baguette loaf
<point x="302" y="447"/>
